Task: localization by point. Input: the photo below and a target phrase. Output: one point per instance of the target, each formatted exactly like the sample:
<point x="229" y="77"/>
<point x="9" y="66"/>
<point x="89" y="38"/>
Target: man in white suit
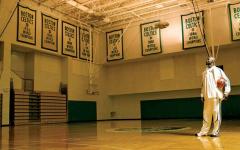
<point x="212" y="94"/>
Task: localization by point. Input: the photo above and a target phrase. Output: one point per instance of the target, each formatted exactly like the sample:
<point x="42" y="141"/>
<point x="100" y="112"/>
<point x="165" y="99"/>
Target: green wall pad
<point x="80" y="111"/>
<point x="231" y="107"/>
<point x="171" y="108"/>
<point x="185" y="108"/>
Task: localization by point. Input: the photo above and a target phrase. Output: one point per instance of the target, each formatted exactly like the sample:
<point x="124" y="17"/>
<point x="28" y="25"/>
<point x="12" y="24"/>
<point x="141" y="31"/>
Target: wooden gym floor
<point x="120" y="135"/>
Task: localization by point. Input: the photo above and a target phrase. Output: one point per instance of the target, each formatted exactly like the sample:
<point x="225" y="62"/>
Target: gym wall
<point x="175" y="71"/>
<point x="48" y="68"/>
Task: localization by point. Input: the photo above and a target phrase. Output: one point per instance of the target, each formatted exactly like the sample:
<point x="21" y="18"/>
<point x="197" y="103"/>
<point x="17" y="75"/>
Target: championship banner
<point x="114" y="45"/>
<point x="26" y="25"/>
<point x="191" y="33"/>
<point x="49" y="33"/>
<point x="84" y="45"/>
<point x="234" y="10"/>
<point x="151" y="38"/>
<point x="69" y="39"/>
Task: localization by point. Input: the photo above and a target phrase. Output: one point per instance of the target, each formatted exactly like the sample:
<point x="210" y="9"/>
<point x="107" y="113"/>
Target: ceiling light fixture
<point x="79" y="6"/>
<point x="72" y="2"/>
<point x="106" y="20"/>
<point x="159" y="6"/>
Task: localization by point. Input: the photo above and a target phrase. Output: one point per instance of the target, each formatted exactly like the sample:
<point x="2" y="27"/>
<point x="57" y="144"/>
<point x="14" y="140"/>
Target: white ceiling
<point x="108" y="13"/>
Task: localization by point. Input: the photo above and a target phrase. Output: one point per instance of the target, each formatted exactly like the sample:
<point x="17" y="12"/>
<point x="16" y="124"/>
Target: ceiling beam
<point x="43" y="1"/>
<point x="120" y="23"/>
<point x="131" y="6"/>
<point x="141" y="14"/>
<point x="110" y="4"/>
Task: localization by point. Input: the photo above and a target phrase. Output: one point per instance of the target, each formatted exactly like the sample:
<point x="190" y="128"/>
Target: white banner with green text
<point x="84" y="39"/>
<point x="151" y="38"/>
<point x="26" y="25"/>
<point x="234" y="10"/>
<point x="114" y="45"/>
<point x="49" y="33"/>
<point x="69" y="39"/>
<point x="192" y="30"/>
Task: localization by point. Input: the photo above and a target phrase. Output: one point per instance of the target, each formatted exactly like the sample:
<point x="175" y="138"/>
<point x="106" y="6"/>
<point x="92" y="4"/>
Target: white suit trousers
<point x="211" y="112"/>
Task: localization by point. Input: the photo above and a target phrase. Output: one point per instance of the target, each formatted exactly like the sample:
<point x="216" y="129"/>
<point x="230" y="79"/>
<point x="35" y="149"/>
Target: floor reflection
<point x="209" y="143"/>
<point x="147" y="135"/>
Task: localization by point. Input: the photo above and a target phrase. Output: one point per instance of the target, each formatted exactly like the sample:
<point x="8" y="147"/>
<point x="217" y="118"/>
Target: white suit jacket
<point x="209" y="83"/>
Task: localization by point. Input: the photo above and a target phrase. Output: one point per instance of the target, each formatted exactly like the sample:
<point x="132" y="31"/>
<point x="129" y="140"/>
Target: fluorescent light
<point x="83" y="8"/>
<point x="106" y="19"/>
<point x="159" y="6"/>
<point x="77" y="5"/>
<point x="90" y="11"/>
<point x="72" y="2"/>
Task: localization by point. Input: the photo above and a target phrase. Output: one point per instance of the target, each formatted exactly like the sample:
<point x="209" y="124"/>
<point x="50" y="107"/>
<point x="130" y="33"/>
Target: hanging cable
<point x="126" y="28"/>
<point x="212" y="48"/>
<point x="217" y="52"/>
<point x="10" y="18"/>
<point x="201" y="31"/>
<point x="218" y="38"/>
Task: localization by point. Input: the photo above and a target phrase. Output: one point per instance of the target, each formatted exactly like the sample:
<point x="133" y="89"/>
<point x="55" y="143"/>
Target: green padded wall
<point x="186" y="108"/>
<point x="231" y="107"/>
<point x="79" y="111"/>
<point x="171" y="108"/>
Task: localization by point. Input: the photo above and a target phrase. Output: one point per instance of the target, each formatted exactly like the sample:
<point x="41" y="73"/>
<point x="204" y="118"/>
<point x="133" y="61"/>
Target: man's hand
<point x="202" y="99"/>
<point x="225" y="96"/>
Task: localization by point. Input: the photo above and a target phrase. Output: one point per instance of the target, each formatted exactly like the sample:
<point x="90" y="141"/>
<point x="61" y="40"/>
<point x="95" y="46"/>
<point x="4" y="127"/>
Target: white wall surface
<point x="18" y="63"/>
<point x="47" y="72"/>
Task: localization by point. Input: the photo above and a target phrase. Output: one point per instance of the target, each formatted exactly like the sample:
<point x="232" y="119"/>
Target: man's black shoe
<point x="214" y="135"/>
